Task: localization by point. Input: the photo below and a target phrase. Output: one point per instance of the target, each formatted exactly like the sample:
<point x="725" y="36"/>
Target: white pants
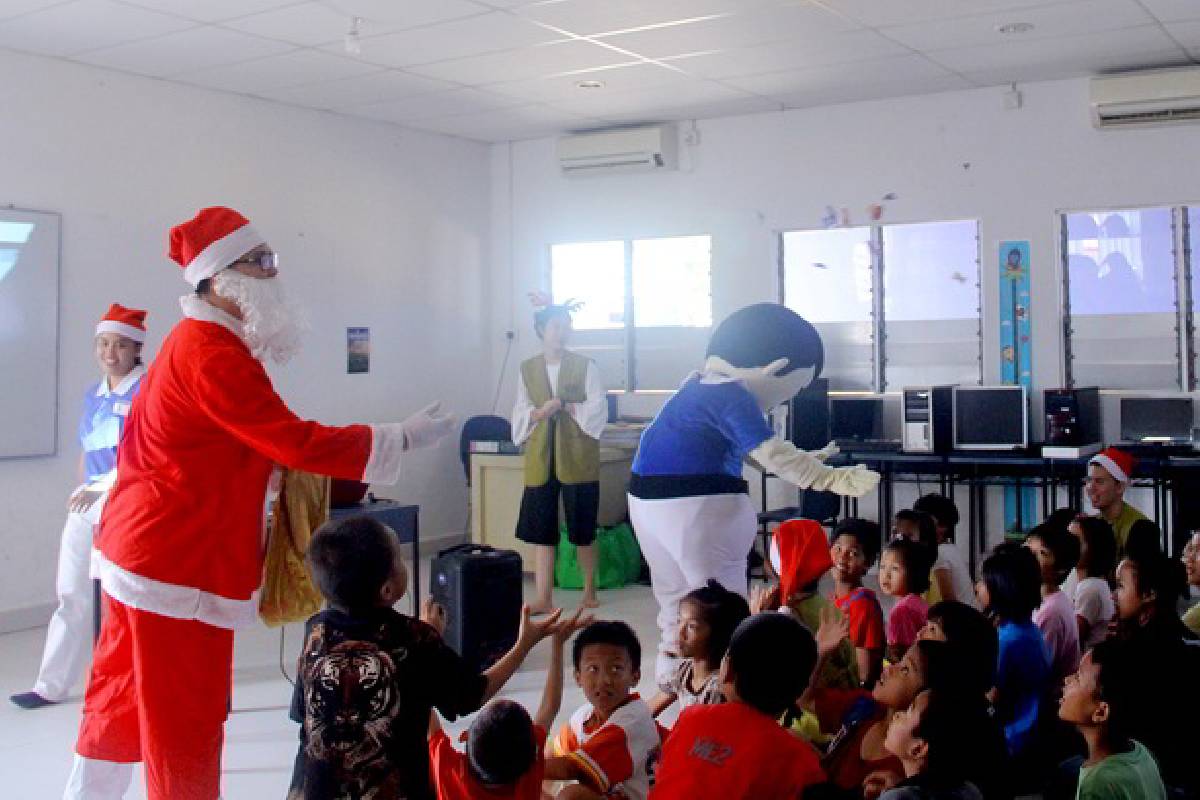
<point x="69" y="635"/>
<point x="686" y="541"/>
<point x="98" y="780"/>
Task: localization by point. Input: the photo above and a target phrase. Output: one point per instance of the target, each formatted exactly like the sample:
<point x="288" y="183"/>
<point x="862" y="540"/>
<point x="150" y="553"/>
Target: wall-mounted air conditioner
<point x="1153" y="97"/>
<point x="643" y="149"/>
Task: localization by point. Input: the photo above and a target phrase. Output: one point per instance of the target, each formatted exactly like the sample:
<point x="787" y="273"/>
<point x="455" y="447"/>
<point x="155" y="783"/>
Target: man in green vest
<point x="560" y="413"/>
<point x="1109" y="474"/>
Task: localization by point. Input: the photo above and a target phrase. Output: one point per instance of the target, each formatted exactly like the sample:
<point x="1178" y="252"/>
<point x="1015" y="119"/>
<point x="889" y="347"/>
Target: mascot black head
<point x="769" y="347"/>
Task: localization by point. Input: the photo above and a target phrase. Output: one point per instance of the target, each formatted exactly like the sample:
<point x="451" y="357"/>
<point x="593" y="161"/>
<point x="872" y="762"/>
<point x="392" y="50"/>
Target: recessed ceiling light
<point x="1014" y="28"/>
<point x="589" y="84"/>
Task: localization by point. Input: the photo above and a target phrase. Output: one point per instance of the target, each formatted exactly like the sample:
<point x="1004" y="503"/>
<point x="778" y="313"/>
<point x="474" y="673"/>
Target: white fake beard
<point x="271" y="323"/>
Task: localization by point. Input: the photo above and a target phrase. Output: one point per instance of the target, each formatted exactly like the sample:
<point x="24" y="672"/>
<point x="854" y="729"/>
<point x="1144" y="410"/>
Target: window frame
<point x="879" y="383"/>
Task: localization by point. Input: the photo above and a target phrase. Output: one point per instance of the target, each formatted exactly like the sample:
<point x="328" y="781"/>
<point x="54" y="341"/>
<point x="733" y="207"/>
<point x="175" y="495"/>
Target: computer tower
<point x="808" y="416"/>
<point x="1072" y="417"/>
<point x="480" y="589"/>
<point x="928" y="419"/>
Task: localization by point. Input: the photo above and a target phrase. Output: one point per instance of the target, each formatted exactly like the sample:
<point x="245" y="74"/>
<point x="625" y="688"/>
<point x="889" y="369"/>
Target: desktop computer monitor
<point x="856" y="419"/>
<point x="991" y="418"/>
<point x="1153" y="420"/>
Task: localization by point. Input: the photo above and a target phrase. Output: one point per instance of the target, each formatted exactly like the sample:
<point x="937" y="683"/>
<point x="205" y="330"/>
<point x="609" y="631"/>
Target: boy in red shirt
<point x="504" y="748"/>
<point x="854" y="549"/>
<point x="738" y="750"/>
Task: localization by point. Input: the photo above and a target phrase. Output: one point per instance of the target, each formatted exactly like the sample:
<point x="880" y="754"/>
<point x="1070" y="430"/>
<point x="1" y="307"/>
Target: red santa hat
<point x="211" y="241"/>
<point x="1118" y="463"/>
<point x="129" y="322"/>
<point x="799" y="554"/>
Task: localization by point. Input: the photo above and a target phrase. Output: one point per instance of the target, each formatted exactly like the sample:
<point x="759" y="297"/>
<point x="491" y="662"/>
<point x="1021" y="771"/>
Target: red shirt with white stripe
<point x="618" y="754"/>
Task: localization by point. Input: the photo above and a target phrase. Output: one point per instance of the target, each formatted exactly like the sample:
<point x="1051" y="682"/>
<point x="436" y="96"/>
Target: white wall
<point x="947" y="156"/>
<point x="376" y="226"/>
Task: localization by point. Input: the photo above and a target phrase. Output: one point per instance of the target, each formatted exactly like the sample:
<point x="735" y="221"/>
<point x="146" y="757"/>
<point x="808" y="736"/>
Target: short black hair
<point x="608" y="631"/>
<point x="204" y="286"/>
<point x="500" y="743"/>
<point x="771" y="656"/>
<point x="926" y="526"/>
<point x="723" y="610"/>
<point x="1061" y="518"/>
<point x="942" y="509"/>
<point x="974" y="637"/>
<point x="1062" y="544"/>
<point x="1117" y="684"/>
<point x="950" y="725"/>
<point x="1163" y="576"/>
<point x="864" y="530"/>
<point x="542" y="317"/>
<point x="1014" y="582"/>
<point x="916" y="561"/>
<point x="1097" y="546"/>
<point x="350" y="560"/>
<point x="1145" y="538"/>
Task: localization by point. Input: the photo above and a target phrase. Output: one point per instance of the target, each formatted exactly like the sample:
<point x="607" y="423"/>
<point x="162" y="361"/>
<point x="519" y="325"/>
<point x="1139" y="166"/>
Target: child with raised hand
<point x="707" y="618"/>
<point x="504" y="748"/>
<point x="1009" y="591"/>
<point x="904" y="574"/>
<point x="363" y="738"/>
<point x="737" y="750"/>
<point x="1088" y="584"/>
<point x="607" y="747"/>
<point x="1057" y="552"/>
<point x="1099" y="700"/>
<point x="854" y="546"/>
<point x="935" y="739"/>
<point x="950" y="577"/>
<point x="800" y="557"/>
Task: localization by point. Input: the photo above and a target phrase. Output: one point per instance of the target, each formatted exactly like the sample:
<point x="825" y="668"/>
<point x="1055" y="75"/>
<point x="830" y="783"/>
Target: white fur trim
<point x="221" y="253"/>
<point x="1110" y="465"/>
<point x="197" y="308"/>
<point x="387" y="445"/>
<point x="128" y="331"/>
<point x="172" y="600"/>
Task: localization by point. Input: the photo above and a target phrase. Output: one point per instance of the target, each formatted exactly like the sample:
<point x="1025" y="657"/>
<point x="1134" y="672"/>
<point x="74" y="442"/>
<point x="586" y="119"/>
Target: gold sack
<point x="288" y="594"/>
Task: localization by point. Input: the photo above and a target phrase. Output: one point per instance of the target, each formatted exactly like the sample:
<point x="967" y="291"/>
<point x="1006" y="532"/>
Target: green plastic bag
<point x="619" y="559"/>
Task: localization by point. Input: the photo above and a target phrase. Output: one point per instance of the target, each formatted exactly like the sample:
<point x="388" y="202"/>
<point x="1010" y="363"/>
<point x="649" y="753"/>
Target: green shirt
<point x="1124" y="776"/>
<point x="841" y="668"/>
<point x="1123" y="523"/>
<point x="1192" y="619"/>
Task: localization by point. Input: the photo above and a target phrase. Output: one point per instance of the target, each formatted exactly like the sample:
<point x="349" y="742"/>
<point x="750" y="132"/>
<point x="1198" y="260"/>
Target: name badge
<point x="121" y="409"/>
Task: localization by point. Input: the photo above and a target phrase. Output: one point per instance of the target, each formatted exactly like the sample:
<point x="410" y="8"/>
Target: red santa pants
<point x="159" y="693"/>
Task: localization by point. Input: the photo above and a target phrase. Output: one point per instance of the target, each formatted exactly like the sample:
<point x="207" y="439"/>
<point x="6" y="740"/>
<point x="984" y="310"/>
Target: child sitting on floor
<point x="853" y="549"/>
<point x="800" y="557"/>
<point x="1088" y="584"/>
<point x="950" y="577"/>
<point x="607" y="747"/>
<point x="707" y="618"/>
<point x="935" y="739"/>
<point x="359" y="737"/>
<point x="1057" y="552"/>
<point x="737" y="750"/>
<point x="503" y="756"/>
<point x="1099" y="700"/>
<point x="904" y="574"/>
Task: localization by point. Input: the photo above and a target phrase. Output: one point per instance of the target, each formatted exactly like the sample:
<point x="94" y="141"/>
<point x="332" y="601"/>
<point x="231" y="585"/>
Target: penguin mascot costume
<point x="688" y="503"/>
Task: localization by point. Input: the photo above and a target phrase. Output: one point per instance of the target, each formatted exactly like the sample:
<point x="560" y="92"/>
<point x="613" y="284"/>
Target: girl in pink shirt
<point x="1057" y="552"/>
<point x="904" y="574"/>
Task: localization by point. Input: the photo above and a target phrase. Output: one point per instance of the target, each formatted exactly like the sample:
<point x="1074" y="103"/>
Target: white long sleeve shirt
<point x="591" y="415"/>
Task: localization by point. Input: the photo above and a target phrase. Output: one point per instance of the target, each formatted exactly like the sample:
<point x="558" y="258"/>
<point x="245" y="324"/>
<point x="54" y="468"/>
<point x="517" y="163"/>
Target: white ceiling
<point x="508" y="69"/>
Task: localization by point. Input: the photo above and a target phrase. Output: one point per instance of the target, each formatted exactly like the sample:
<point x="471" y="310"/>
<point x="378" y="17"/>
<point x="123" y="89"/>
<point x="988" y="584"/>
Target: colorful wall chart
<point x="1016" y="357"/>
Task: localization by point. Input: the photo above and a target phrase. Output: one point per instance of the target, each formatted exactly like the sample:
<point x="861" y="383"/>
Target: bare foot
<point x="590" y="601"/>
<point x="541" y="607"/>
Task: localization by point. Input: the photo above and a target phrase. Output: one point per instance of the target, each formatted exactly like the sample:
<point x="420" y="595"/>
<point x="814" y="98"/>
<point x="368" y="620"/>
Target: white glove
<point x="853" y="481"/>
<point x="827" y="452"/>
<point x="427" y="427"/>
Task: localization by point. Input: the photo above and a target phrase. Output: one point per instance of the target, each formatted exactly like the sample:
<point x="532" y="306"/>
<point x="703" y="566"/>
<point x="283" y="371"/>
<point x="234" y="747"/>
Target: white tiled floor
<point x="260" y="741"/>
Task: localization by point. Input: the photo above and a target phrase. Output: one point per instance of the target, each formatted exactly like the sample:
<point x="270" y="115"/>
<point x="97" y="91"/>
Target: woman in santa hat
<point x="118" y="346"/>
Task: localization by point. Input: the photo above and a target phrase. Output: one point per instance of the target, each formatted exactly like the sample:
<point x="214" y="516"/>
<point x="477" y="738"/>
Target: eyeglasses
<point x="266" y="260"/>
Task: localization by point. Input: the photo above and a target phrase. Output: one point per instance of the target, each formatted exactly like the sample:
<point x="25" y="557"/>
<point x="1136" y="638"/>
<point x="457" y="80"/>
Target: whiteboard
<point x="29" y="261"/>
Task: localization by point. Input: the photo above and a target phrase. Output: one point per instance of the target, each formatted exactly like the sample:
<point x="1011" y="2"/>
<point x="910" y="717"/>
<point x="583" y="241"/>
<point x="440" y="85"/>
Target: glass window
<point x="592" y="273"/>
<point x="672" y="282"/>
<point x="931" y="303"/>
<point x="827" y="278"/>
<point x="1120" y="279"/>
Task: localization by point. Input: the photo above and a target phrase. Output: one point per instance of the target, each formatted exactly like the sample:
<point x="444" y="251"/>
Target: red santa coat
<point x="181" y="535"/>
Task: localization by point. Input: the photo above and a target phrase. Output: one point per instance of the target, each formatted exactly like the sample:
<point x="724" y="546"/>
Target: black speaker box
<point x="480" y="588"/>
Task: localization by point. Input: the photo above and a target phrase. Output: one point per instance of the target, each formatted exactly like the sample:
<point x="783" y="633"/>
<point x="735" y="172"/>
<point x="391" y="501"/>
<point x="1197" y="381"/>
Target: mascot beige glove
<point x="827" y="452"/>
<point x="806" y="470"/>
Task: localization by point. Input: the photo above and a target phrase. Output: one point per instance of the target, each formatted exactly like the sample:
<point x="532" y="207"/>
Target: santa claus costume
<point x="118" y="340"/>
<point x="181" y="539"/>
